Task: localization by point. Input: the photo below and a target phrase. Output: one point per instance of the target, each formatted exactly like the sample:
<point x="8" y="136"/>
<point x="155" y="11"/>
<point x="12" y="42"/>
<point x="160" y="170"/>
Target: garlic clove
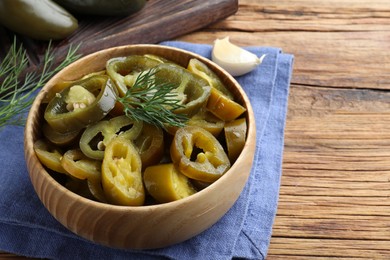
<point x="235" y="60"/>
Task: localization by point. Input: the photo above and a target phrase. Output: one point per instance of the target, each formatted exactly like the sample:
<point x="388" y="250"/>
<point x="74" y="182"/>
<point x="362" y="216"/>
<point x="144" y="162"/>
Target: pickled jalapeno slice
<point x="97" y="136"/>
<point x="198" y="154"/>
<point x="81" y="104"/>
<point x="121" y="173"/>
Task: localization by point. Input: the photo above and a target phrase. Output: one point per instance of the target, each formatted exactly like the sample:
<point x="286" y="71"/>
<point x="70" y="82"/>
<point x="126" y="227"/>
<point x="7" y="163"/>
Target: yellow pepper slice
<point x="201" y="69"/>
<point x="49" y="155"/>
<point x="80" y="166"/>
<point x="235" y="135"/>
<point x="207" y="121"/>
<point x="204" y="119"/>
<point x="165" y="183"/>
<point x="121" y="173"/>
<point x="198" y="154"/>
<point x="223" y="107"/>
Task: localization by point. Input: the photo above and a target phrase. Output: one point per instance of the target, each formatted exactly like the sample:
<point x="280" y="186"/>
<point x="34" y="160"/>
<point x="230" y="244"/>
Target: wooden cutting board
<point x="159" y="20"/>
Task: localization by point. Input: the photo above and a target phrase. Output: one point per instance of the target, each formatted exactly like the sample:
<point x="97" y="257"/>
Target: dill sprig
<point x="17" y="87"/>
<point x="153" y="101"/>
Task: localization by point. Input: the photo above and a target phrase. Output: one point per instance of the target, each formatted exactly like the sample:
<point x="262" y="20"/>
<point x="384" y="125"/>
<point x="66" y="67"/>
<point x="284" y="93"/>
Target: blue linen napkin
<point x="244" y="232"/>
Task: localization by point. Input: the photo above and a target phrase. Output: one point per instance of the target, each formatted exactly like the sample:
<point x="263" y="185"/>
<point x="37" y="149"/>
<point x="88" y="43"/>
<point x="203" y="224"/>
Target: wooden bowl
<point x="142" y="227"/>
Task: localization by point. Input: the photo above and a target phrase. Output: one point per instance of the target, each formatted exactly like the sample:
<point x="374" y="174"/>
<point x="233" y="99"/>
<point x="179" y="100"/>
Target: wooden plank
<point x="333" y="228"/>
<point x="306" y="15"/>
<point x="335" y="43"/>
<point x="313" y="248"/>
<point x="335" y="186"/>
<point x="351" y="59"/>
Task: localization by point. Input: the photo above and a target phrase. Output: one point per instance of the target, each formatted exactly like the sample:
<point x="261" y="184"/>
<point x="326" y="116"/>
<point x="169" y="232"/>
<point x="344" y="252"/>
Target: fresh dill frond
<point x="16" y="89"/>
<point x="153" y="101"/>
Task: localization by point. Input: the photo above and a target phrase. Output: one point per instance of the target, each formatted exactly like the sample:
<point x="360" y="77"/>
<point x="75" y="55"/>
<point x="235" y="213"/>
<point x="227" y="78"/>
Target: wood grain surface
<point x="334" y="196"/>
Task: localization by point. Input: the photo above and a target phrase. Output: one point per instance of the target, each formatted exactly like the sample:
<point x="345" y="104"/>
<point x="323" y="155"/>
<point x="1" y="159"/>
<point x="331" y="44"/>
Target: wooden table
<point x="335" y="189"/>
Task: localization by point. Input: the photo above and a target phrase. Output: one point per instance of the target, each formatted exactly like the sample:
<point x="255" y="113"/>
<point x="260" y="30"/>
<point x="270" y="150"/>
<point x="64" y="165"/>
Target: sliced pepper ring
<point x="207" y="121"/>
<point x="204" y="119"/>
<point x="223" y="107"/>
<point x="121" y="173"/>
<point x="199" y="68"/>
<point x="124" y="70"/>
<point x="235" y="136"/>
<point x="62" y="120"/>
<point x="198" y="154"/>
<point x="57" y="138"/>
<point x="88" y="189"/>
<point x="49" y="155"/>
<point x="96" y="189"/>
<point x="80" y="166"/>
<point x="193" y="90"/>
<point x="97" y="136"/>
<point x="165" y="183"/>
<point x="150" y="145"/>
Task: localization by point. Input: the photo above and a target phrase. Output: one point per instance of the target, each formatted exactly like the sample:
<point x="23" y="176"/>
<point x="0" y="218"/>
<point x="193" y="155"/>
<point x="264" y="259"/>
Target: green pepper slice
<point x="49" y="155"/>
<point x="124" y="70"/>
<point x="92" y="190"/>
<point x="193" y="89"/>
<point x="79" y="187"/>
<point x="203" y="119"/>
<point x="94" y="97"/>
<point x="198" y="154"/>
<point x="207" y="121"/>
<point x="121" y="173"/>
<point x="60" y="139"/>
<point x="59" y="86"/>
<point x="96" y="189"/>
<point x="199" y="68"/>
<point x="39" y="19"/>
<point x="103" y="7"/>
<point x="96" y="137"/>
<point x="150" y="145"/>
<point x="235" y="136"/>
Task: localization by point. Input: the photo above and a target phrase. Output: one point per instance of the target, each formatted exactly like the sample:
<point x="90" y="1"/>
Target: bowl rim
<point x="29" y="138"/>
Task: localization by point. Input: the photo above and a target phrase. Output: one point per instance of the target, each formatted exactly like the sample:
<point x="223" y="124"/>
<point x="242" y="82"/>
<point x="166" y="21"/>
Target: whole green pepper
<point x="103" y="7"/>
<point x="38" y="19"/>
<point x="94" y="97"/>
